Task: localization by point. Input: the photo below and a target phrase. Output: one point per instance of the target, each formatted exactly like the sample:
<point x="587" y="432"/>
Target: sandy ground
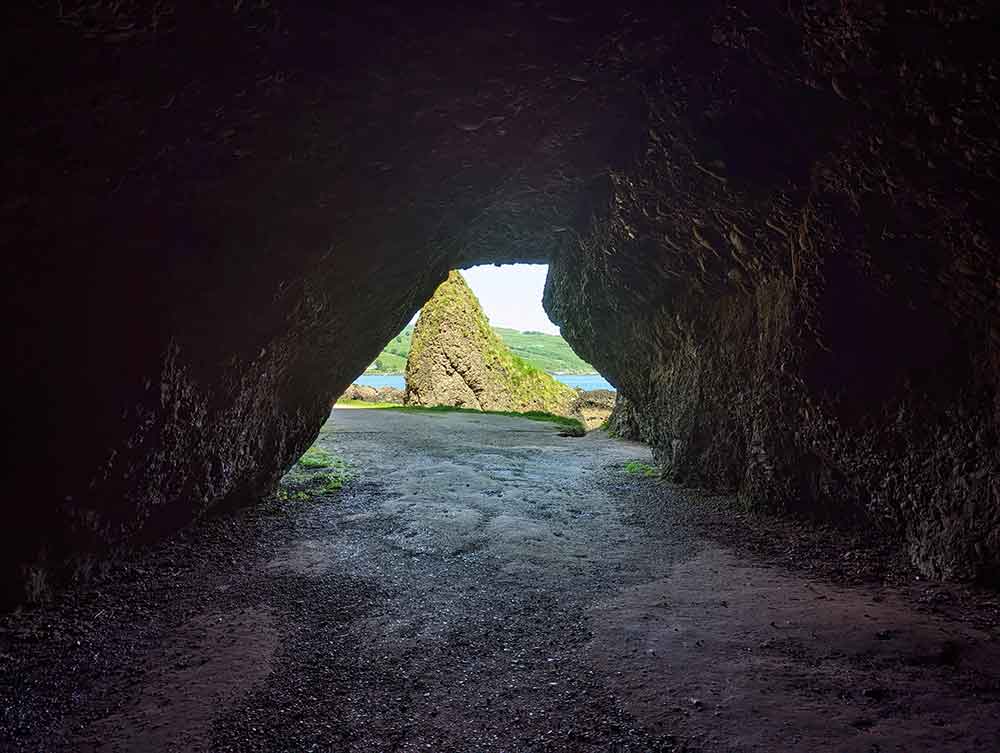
<point x="487" y="585"/>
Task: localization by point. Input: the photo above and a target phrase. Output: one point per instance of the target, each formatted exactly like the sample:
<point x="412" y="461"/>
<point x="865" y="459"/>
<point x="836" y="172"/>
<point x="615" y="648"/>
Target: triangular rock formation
<point x="456" y="359"/>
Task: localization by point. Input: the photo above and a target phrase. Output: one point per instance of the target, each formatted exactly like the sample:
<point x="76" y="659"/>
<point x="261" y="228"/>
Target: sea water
<point x="583" y="381"/>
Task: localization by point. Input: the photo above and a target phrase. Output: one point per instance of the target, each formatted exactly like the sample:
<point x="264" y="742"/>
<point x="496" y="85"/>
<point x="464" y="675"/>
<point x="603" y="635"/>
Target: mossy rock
<point x="457" y="359"/>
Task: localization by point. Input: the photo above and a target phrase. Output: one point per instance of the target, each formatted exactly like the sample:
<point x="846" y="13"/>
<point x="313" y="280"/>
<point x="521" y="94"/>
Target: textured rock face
<point x="795" y="287"/>
<point x="773" y="225"/>
<point x="390" y="395"/>
<point x="457" y="359"/>
<point x="623" y="422"/>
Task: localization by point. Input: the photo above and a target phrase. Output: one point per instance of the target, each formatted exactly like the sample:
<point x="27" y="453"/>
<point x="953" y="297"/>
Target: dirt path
<point x="486" y="585"/>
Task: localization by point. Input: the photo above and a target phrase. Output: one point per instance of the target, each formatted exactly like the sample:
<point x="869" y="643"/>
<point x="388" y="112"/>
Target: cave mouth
<point x="807" y="317"/>
<point x="774" y="227"/>
<point x="510" y="296"/>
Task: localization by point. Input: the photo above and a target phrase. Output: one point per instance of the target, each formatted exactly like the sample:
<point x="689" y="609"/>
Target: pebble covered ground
<point x="484" y="584"/>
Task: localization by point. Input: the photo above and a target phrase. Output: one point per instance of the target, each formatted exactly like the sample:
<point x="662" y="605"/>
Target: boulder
<point x="361" y="392"/>
<point x="390" y="395"/>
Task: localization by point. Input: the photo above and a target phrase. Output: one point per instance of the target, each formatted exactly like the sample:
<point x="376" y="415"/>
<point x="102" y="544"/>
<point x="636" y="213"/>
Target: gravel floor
<point x="484" y="584"/>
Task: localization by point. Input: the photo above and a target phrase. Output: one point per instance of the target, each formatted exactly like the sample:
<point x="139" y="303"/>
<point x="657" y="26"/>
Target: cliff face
<point x="457" y="359"/>
<point x="795" y="286"/>
<point x="773" y="226"/>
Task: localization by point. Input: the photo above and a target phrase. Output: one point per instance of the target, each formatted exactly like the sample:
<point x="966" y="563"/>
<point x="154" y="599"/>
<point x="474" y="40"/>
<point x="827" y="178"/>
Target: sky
<point x="511" y="295"/>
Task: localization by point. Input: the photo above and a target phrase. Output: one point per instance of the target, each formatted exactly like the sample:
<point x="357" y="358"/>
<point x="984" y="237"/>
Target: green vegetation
<point x="533" y="415"/>
<point x="453" y="315"/>
<point x="345" y="403"/>
<point x="318" y="472"/>
<point x="571" y="425"/>
<point x="317" y="457"/>
<point x="392" y="359"/>
<point x="638" y="468"/>
<point x="546" y="352"/>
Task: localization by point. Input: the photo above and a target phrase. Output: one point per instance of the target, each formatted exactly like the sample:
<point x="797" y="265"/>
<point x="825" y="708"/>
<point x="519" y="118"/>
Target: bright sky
<point x="511" y="295"/>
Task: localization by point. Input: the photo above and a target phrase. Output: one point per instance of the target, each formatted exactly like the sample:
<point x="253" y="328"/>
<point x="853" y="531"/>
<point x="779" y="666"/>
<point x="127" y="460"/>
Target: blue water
<point x="382" y="380"/>
<point x="583" y="381"/>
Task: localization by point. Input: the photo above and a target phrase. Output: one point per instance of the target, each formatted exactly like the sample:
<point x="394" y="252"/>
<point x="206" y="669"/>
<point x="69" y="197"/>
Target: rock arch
<point x="774" y="229"/>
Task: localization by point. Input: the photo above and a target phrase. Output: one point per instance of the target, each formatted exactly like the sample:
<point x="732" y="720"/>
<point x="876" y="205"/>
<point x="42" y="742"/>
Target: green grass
<point x="534" y="415"/>
<point x="318" y="472"/>
<point x="638" y="468"/>
<point x="317" y="457"/>
<point x="545" y="352"/>
<point x="344" y="403"/>
<point x="570" y="424"/>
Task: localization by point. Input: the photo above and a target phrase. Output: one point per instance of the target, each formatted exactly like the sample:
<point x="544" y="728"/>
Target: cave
<point x="772" y="226"/>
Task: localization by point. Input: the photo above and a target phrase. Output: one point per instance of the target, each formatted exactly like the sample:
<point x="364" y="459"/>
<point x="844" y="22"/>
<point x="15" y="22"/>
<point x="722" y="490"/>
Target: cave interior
<point x="773" y="229"/>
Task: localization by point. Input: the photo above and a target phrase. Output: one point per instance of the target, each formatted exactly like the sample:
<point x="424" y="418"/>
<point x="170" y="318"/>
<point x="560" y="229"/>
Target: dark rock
<point x="790" y="285"/>
<point x="623" y="422"/>
<point x="773" y="227"/>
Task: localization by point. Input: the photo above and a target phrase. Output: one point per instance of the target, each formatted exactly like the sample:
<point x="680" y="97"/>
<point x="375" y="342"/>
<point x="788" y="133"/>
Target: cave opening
<point x="510" y="297"/>
<point x="773" y="228"/>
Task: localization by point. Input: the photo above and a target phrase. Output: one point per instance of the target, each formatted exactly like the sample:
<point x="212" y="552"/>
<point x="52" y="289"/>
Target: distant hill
<point x="546" y="352"/>
<point x="392" y="359"/>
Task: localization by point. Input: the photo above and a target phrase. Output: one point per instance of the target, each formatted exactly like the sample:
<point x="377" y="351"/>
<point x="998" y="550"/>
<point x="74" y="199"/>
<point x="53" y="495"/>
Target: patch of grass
<point x="570" y="424"/>
<point x="344" y="403"/>
<point x="317" y="457"/>
<point x="286" y="495"/>
<point x="317" y="472"/>
<point x="638" y="468"/>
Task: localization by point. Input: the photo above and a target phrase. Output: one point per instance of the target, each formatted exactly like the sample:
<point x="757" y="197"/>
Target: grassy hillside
<point x="392" y="359"/>
<point x="546" y="352"/>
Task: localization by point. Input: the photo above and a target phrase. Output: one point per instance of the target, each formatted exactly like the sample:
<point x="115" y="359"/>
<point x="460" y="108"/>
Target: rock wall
<point x="457" y="359"/>
<point x="214" y="216"/>
<point x="773" y="225"/>
<point x="795" y="287"/>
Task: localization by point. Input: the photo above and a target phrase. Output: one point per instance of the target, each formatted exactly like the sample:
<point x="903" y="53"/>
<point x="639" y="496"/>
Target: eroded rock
<point x="773" y="226"/>
<point x="794" y="286"/>
<point x="457" y="359"/>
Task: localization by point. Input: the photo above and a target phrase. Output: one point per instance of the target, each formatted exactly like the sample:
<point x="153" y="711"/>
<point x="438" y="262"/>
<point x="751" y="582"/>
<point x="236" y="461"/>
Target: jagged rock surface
<point x="457" y="359"/>
<point x="795" y="286"/>
<point x="624" y="419"/>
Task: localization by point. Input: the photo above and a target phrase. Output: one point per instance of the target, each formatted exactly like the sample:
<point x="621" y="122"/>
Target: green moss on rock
<point x="457" y="359"/>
